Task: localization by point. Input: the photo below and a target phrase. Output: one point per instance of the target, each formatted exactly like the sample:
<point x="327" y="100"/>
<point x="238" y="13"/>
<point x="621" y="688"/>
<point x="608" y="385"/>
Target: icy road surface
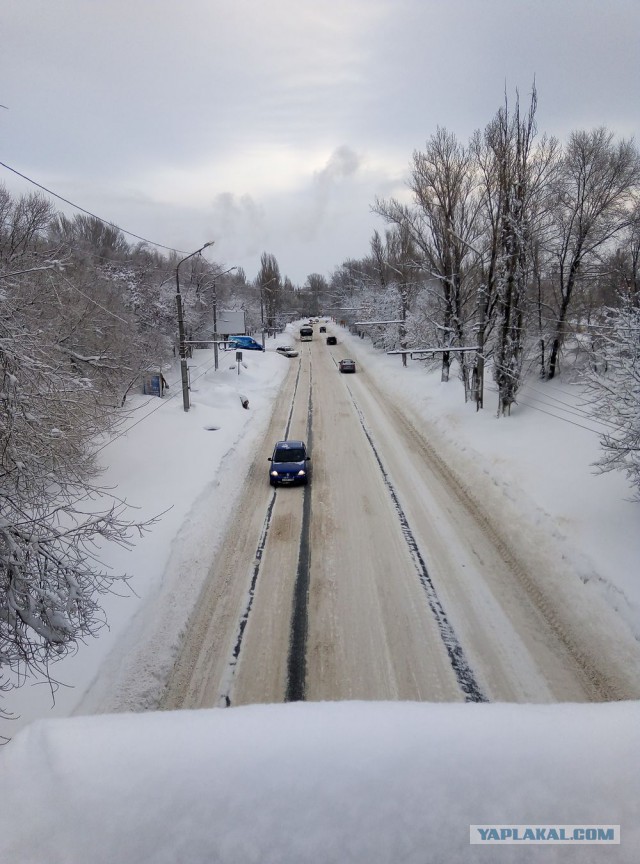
<point x="384" y="579"/>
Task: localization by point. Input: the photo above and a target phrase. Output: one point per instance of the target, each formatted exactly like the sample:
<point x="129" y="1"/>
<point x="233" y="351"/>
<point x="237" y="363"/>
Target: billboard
<point x="231" y="322"/>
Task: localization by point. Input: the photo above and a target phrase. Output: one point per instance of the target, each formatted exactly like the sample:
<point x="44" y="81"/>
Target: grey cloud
<point x="343" y="162"/>
<point x="326" y="186"/>
<point x="239" y="225"/>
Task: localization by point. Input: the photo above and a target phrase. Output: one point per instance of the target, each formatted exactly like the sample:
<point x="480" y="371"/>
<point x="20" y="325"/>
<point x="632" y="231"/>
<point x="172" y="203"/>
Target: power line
<point x="521" y="401"/>
<point x="558" y="417"/>
<point x="89" y="213"/>
<point x="569" y="409"/>
<point x="587" y="417"/>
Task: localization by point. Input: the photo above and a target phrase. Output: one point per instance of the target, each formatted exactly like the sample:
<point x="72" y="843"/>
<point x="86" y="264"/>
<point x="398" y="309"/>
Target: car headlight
<point x="274" y="473"/>
<point x="301" y="472"/>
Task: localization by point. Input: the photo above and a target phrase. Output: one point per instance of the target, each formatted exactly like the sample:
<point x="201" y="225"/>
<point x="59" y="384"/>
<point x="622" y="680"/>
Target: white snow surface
<point x="320" y="782"/>
<point x="329" y="783"/>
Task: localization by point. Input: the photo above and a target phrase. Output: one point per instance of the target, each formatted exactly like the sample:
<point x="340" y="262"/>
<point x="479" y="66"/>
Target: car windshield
<point x="294" y="454"/>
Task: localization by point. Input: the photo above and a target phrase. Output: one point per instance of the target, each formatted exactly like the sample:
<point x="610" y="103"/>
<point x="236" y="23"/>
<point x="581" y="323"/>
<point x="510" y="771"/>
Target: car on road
<point x="243" y="343"/>
<point x="347" y="365"/>
<point x="323" y="329"/>
<point x="331" y="340"/>
<point x="289" y="464"/>
<point x="287" y="350"/>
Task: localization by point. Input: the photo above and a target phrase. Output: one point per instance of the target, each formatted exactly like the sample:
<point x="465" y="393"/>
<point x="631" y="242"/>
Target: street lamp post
<point x="184" y="374"/>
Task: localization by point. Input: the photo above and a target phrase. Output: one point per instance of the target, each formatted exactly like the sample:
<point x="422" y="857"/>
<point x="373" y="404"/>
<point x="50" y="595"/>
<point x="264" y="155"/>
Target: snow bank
<point x="334" y="782"/>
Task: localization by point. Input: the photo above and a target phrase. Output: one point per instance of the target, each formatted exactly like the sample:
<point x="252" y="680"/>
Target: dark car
<point x="289" y="463"/>
<point x="323" y="329"/>
<point x="347" y="365"/>
<point x="331" y="340"/>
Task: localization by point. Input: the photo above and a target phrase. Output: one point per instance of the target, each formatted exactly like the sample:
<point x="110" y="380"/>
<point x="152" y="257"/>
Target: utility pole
<point x="184" y="372"/>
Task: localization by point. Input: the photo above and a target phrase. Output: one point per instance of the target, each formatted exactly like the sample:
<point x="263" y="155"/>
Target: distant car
<point x="287" y="350"/>
<point x="323" y="329"/>
<point x="243" y="343"/>
<point x="289" y="464"/>
<point x="331" y="340"/>
<point x="347" y="365"/>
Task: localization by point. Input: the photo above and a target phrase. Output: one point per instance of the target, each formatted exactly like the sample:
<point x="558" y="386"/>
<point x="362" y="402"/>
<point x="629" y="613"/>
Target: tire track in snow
<point x="459" y="663"/>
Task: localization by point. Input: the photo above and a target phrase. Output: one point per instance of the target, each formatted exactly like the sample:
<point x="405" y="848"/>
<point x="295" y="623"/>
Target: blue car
<point x="243" y="343"/>
<point x="289" y="464"/>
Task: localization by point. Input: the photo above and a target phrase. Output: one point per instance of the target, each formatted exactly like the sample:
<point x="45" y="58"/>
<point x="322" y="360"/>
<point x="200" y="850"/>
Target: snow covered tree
<point x="395" y="261"/>
<point x="52" y="512"/>
<point x="593" y="200"/>
<point x="67" y="345"/>
<point x="520" y="178"/>
<point x="614" y="389"/>
<point x="443" y="227"/>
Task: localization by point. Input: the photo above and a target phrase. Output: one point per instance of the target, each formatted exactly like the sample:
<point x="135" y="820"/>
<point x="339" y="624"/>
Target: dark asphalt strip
<point x="461" y="668"/>
<point x="297" y="660"/>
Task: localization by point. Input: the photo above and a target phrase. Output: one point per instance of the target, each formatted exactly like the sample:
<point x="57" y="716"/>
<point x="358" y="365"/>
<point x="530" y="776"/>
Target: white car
<point x="287" y="350"/>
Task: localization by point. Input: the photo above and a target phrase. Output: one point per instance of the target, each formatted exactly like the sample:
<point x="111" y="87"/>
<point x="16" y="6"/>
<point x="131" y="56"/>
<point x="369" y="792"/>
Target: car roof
<point x="289" y="445"/>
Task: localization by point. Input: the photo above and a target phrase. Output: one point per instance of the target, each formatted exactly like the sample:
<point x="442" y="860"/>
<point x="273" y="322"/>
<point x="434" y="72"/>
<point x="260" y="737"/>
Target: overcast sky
<point x="272" y="125"/>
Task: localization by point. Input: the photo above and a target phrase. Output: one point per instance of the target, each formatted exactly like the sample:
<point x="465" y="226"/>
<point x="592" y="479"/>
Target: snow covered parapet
<point x="331" y="782"/>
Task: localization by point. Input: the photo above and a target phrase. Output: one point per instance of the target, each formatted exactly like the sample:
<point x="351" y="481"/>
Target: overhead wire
<point x="88" y="212"/>
<point x="569" y="409"/>
<point x="521" y="401"/>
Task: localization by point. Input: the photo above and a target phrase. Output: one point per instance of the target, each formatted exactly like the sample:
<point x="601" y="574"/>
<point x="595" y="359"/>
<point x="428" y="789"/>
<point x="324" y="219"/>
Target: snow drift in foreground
<point x="336" y="782"/>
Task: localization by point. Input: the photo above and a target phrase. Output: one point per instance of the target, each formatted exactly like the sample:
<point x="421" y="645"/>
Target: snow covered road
<point x="384" y="579"/>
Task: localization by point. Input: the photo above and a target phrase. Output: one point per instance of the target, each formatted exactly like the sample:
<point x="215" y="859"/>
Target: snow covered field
<point x="411" y="773"/>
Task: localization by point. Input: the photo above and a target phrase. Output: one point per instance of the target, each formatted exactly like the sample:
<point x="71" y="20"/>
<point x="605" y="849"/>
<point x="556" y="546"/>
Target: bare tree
<point x="269" y="283"/>
<point x="593" y="198"/>
<point x="90" y="235"/>
<point x="24" y="224"/>
<point x="316" y="290"/>
<point x="443" y="226"/>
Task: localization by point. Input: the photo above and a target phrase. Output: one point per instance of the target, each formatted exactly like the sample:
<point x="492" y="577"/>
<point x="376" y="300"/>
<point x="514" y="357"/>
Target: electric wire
<point x="524" y="402"/>
<point x="564" y="419"/>
<point x="569" y="409"/>
<point x="89" y="213"/>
